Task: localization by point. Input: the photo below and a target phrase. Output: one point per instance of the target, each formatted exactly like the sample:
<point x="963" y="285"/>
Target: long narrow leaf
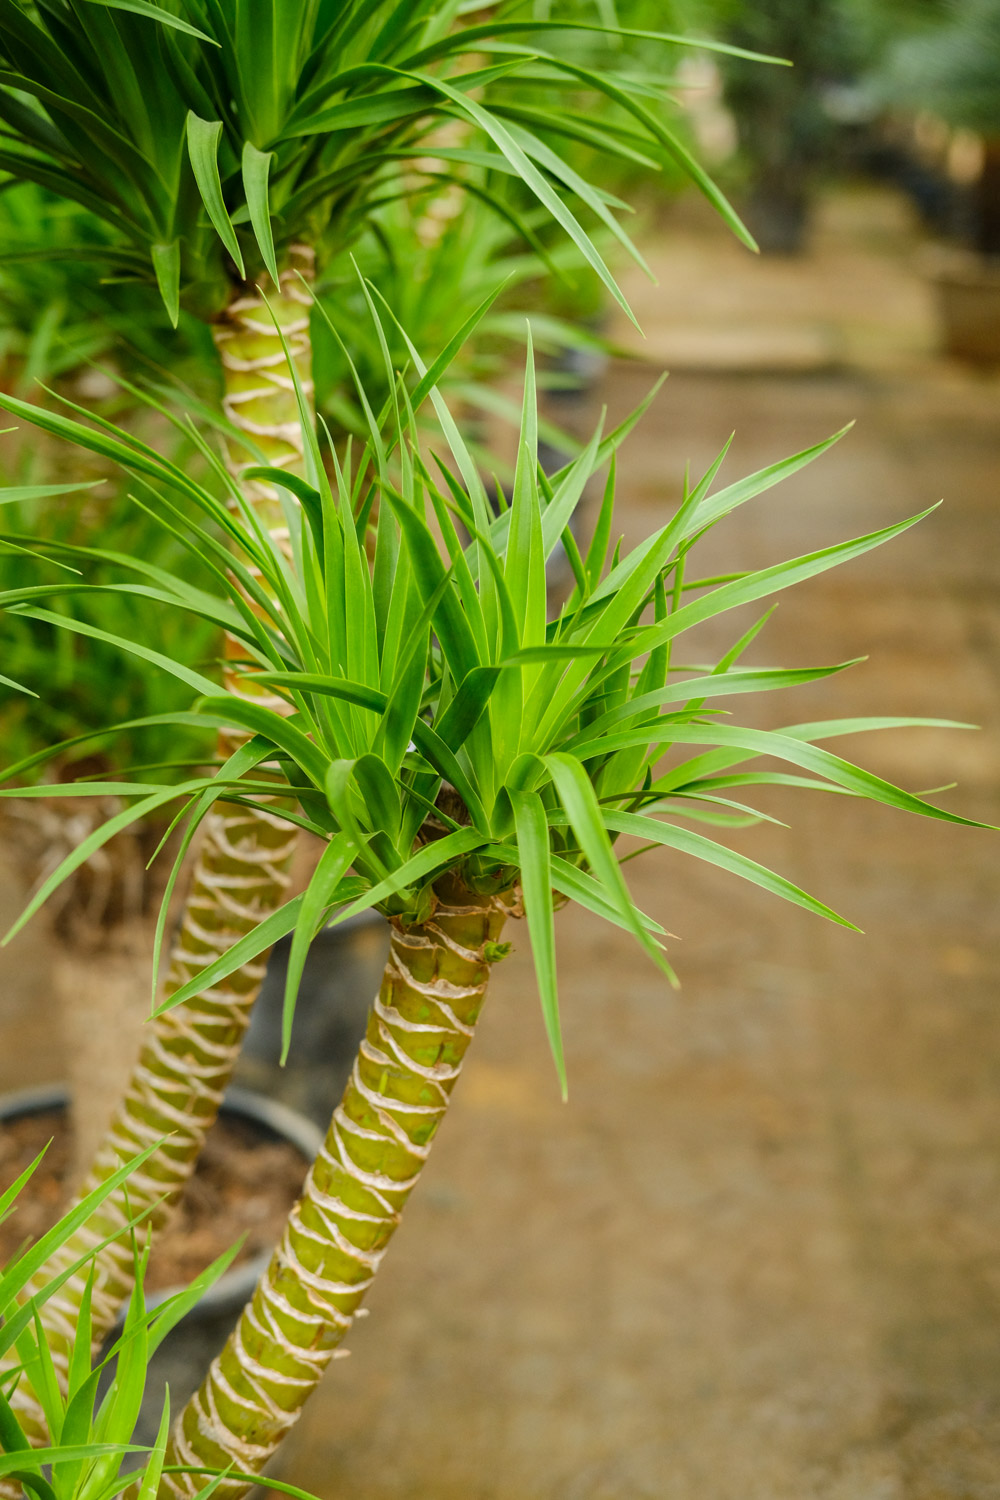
<point x="536" y="884"/>
<point x="203" y="148"/>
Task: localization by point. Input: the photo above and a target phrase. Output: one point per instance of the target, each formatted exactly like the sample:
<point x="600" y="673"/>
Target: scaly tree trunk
<point x="419" y="1029"/>
<point x="241" y="871"/>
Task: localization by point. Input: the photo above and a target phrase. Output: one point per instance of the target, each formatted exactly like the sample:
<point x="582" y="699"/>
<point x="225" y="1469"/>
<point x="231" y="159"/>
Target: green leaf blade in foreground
<point x="715" y="761"/>
<point x="764" y="581"/>
<point x="256" y="170"/>
<point x="14" y="494"/>
<point x="203" y="138"/>
<point x="167" y="267"/>
<point x="430" y="860"/>
<point x="155" y="13"/>
<point x="17" y="687"/>
<point x="154" y="1468"/>
<point x="333" y="864"/>
<point x="177" y="1307"/>
<point x="193" y="679"/>
<point x="534" y="856"/>
<point x="808" y="757"/>
<point x="97" y="840"/>
<point x="8" y="1196"/>
<point x="358" y="693"/>
<point x="33" y="1460"/>
<point x="688" y="842"/>
<point x="282" y="733"/>
<point x="577" y="795"/>
<point x="578" y="886"/>
<point x="714" y="507"/>
<point x="278" y="925"/>
<point x="698" y="689"/>
<point x="17" y="1276"/>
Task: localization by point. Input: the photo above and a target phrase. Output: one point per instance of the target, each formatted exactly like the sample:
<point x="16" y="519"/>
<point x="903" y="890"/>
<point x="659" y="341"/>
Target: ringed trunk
<point x="240" y="874"/>
<point x="419" y="1029"/>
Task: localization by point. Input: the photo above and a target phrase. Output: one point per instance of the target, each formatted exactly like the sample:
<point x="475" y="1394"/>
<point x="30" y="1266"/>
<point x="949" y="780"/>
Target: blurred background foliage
<point x="435" y="254"/>
<point x="88" y="682"/>
<point x="951" y="69"/>
<point x="908" y="89"/>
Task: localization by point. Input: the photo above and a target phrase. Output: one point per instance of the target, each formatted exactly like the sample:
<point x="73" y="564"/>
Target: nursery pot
<point x="967" y="290"/>
<point x="777" y="213"/>
<point x="187" y="1351"/>
<point x="341" y="978"/>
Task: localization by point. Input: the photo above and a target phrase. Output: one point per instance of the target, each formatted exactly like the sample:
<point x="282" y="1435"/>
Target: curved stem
<point x="240" y="874"/>
<point x="419" y="1030"/>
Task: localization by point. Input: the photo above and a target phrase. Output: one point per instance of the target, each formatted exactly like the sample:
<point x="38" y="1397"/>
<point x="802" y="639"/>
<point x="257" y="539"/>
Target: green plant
<point x="57" y="312"/>
<point x="46" y="330"/>
<point x="953" y="70"/>
<point x="89" y="1436"/>
<point x="785" y="132"/>
<point x="91" y="1418"/>
<point x="431" y="267"/>
<point x="79" y="691"/>
<point x="166" y="124"/>
<point x="464" y="758"/>
<point x="226" y="146"/>
<point x="76" y="684"/>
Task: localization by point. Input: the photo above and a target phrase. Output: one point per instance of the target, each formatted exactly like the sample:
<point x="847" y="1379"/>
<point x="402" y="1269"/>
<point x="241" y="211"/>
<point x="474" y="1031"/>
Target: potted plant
<point x="93" y="1450"/>
<point x="56" y="316"/>
<point x="783" y="128"/>
<point x="465" y="760"/>
<point x="244" y="1184"/>
<point x="222" y="179"/>
<point x="952" y="70"/>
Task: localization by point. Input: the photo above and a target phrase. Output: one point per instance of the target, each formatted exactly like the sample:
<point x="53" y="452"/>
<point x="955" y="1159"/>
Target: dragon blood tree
<point x="465" y="759"/>
<point x="228" y="143"/>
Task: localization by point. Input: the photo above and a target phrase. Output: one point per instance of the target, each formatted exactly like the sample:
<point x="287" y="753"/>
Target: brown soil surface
<point x="243" y="1184"/>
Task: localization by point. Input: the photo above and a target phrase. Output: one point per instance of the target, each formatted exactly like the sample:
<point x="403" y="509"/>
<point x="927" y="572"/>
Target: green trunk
<point x="419" y="1029"/>
<point x="240" y="875"/>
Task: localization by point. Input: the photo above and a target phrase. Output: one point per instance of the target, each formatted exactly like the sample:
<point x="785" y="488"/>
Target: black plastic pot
<point x="340" y="981"/>
<point x="187" y="1351"/>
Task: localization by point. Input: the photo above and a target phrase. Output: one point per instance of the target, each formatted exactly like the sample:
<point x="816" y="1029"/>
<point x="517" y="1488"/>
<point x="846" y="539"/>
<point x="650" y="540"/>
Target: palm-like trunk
<point x="241" y="871"/>
<point x="419" y="1029"/>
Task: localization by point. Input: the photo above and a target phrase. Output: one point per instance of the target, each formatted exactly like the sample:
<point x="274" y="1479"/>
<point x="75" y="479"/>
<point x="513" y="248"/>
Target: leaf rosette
<point x="440" y="717"/>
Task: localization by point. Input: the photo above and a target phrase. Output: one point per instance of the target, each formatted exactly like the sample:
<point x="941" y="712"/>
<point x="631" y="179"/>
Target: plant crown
<point x="213" y="136"/>
<point x="438" y="717"/>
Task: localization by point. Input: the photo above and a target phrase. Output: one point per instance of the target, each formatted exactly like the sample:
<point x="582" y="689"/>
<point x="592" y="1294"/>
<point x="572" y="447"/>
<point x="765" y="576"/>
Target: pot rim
<point x="234" y="1286"/>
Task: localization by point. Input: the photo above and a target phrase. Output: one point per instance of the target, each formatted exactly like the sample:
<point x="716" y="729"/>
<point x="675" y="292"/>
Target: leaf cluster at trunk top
<point x="214" y="134"/>
<point x="438" y="719"/>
